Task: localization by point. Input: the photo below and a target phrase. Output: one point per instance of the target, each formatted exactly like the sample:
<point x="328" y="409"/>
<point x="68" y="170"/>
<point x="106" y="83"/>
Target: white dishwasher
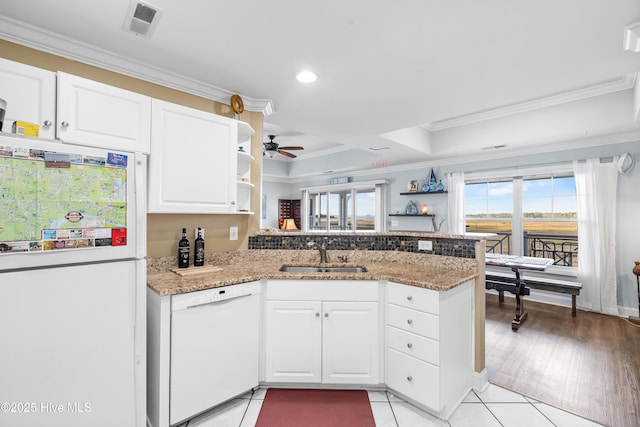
<point x="215" y="336"/>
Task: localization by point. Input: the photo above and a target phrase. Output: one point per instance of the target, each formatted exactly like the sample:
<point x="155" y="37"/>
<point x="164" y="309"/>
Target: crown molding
<point x="39" y="39"/>
<point x="598" y="89"/>
<point x="572" y="144"/>
<point x="631" y="41"/>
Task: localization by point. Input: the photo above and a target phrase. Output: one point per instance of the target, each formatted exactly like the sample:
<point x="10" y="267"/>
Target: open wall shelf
<point x="411" y="193"/>
<point x="412" y="215"/>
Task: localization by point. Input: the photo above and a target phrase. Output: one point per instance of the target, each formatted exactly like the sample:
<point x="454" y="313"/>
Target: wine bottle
<point x="183" y="250"/>
<point x="198" y="253"/>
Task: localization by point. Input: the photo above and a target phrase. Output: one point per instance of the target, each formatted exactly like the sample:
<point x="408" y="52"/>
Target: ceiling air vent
<point x="141" y="18"/>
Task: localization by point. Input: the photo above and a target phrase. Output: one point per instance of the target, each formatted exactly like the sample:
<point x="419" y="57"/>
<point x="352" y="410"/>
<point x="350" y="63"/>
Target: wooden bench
<point x="503" y="281"/>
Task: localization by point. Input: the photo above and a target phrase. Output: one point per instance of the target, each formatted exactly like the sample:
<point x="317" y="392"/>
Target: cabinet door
<point x="192" y="167"/>
<point x="350" y="343"/>
<point x="30" y="93"/>
<point x="100" y="115"/>
<point x="293" y="341"/>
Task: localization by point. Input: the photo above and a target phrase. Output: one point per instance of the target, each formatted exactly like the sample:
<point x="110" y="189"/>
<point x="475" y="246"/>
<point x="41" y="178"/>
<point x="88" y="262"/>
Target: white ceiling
<point x="417" y="71"/>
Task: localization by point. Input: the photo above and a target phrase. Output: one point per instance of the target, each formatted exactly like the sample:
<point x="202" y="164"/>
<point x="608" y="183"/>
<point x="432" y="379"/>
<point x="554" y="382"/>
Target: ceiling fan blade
<point x="294" y="147"/>
<point x="286" y="153"/>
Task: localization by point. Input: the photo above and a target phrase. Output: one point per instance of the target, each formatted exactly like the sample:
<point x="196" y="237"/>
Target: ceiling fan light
<point x="306" y="76"/>
<point x="271" y="153"/>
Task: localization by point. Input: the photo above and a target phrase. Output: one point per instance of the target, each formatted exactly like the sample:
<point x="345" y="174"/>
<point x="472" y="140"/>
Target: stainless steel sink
<point x="318" y="269"/>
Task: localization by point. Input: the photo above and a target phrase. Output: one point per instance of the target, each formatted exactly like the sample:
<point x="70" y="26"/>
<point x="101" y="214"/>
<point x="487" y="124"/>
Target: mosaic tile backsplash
<point x="454" y="246"/>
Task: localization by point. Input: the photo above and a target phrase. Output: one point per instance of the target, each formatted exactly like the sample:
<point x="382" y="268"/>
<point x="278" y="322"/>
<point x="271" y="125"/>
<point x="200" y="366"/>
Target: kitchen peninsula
<point x="435" y="272"/>
<point x="406" y="321"/>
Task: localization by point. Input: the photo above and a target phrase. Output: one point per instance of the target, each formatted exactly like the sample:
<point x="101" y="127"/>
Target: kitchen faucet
<point x="322" y="248"/>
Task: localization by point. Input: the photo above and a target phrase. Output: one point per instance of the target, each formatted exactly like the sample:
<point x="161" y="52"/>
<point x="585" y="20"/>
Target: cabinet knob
<point x="64" y="124"/>
<point x="46" y="124"/>
<point x="326" y="315"/>
<point x="409" y="378"/>
<point x="410" y="321"/>
<point x="317" y="314"/>
<point x="409" y="298"/>
<point x="409" y="345"/>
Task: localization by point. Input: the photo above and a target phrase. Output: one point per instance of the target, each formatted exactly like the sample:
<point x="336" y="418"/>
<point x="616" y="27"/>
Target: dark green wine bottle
<point x="198" y="252"/>
<point x="183" y="250"/>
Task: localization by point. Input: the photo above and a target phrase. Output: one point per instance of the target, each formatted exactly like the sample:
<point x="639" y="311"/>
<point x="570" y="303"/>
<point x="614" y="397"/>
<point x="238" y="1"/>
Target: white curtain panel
<point x="456" y="203"/>
<point x="596" y="189"/>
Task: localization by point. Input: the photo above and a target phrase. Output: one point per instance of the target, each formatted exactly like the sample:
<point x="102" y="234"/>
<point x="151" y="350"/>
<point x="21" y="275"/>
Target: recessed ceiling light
<point x="306" y="76"/>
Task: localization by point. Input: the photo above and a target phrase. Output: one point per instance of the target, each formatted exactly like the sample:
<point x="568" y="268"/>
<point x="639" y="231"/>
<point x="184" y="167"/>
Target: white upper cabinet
<point x="193" y="164"/>
<point x="30" y="93"/>
<point x="100" y="115"/>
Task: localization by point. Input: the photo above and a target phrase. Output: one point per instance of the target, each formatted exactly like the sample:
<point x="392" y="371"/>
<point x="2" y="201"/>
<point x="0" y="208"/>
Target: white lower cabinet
<point x="429" y="345"/>
<point x="293" y="345"/>
<point x="322" y="332"/>
<point x="350" y="342"/>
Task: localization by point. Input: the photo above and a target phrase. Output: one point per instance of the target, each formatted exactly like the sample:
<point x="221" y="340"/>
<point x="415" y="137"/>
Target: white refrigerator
<point x="72" y="285"/>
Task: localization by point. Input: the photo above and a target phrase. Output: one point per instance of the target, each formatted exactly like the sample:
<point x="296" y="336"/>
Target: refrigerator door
<point x="68" y="205"/>
<point x="73" y="346"/>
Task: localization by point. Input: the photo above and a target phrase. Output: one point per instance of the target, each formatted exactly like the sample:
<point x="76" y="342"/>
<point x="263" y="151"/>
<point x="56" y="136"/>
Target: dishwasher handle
<point x="197" y="304"/>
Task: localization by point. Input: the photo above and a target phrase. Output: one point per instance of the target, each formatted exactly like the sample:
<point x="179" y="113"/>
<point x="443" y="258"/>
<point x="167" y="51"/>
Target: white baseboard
<point x="628" y="311"/>
<point x="480" y="380"/>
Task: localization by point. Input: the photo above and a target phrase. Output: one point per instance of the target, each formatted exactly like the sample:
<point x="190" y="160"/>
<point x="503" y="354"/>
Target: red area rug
<point x="315" y="408"/>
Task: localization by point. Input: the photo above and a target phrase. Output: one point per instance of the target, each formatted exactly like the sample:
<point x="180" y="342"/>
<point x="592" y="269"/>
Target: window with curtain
<point x="532" y="216"/>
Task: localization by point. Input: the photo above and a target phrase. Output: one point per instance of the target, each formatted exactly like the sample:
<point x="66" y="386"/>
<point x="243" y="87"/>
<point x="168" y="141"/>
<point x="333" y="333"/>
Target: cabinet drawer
<point x="414" y="345"/>
<point x="414" y="378"/>
<point x="322" y="290"/>
<point x="421" y="299"/>
<point x="417" y="322"/>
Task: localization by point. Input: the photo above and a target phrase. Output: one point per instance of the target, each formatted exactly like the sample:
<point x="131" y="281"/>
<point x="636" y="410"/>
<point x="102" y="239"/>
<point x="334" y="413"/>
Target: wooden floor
<point x="588" y="365"/>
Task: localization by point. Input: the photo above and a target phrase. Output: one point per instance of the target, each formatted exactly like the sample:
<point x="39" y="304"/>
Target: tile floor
<point x="494" y="407"/>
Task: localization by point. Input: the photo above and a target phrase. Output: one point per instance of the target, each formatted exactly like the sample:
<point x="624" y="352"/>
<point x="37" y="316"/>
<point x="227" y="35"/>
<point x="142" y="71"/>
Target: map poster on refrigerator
<point x="57" y="201"/>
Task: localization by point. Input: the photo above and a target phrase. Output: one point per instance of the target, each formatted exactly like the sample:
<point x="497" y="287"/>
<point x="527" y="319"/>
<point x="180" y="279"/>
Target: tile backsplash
<point x="456" y="247"/>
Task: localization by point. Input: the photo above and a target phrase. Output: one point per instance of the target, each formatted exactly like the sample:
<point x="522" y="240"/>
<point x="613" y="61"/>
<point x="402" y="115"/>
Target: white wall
<point x="628" y="209"/>
<point x="274" y="190"/>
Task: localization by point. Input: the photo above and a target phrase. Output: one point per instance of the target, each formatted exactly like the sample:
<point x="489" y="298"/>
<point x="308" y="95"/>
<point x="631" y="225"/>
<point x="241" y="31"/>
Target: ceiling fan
<point x="271" y="148"/>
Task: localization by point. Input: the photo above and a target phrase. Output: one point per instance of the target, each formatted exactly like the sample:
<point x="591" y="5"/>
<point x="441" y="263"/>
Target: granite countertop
<point x="435" y="272"/>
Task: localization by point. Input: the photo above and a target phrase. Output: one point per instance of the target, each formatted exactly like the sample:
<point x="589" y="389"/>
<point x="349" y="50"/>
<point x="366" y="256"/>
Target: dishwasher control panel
<point x="209" y="296"/>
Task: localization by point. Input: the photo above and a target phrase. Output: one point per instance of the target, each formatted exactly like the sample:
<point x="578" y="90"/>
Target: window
<point x="489" y="209"/>
<point x="549" y="225"/>
<point x="357" y="207"/>
<point x="532" y="216"/>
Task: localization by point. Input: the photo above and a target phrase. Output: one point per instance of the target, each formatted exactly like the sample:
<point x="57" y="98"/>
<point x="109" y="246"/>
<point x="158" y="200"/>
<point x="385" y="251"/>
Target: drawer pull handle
<point x="326" y="315"/>
<point x="409" y="298"/>
<point x="409" y="345"/>
<point x="64" y="124"/>
<point x="409" y="378"/>
<point x="409" y="321"/>
<point x="317" y="314"/>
